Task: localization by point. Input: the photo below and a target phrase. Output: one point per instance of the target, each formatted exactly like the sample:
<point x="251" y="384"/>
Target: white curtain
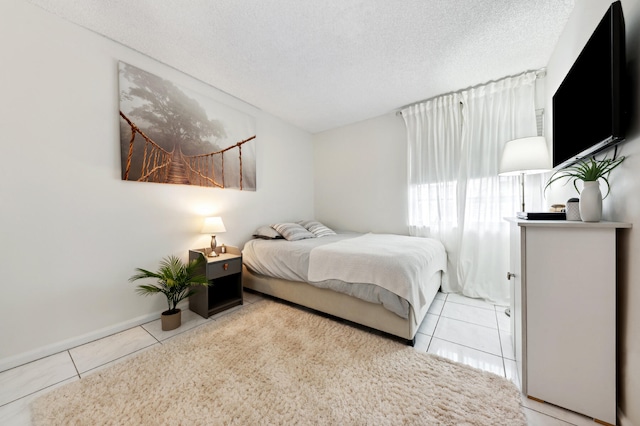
<point x="455" y="194"/>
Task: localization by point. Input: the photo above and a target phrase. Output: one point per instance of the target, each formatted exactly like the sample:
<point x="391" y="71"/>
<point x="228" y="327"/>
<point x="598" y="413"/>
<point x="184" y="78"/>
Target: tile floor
<point x="465" y="330"/>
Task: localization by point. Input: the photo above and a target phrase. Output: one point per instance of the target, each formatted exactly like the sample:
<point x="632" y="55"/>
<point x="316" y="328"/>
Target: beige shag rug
<point x="270" y="363"/>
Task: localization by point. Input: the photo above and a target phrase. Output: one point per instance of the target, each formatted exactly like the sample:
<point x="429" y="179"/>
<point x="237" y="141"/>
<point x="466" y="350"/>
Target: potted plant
<point x="175" y="279"/>
<point x="589" y="171"/>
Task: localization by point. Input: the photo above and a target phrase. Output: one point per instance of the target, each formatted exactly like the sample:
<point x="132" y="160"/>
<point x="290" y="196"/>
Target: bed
<point x="381" y="281"/>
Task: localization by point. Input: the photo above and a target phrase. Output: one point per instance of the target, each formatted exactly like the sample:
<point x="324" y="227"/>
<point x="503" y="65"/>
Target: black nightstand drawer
<point x="222" y="268"/>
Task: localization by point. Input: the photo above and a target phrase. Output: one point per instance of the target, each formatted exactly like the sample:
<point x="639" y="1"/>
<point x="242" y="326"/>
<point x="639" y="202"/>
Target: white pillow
<point x="292" y="231"/>
<point x="316" y="228"/>
<point x="267" y="233"/>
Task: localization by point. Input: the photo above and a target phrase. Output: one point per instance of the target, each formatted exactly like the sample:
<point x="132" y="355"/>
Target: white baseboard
<point x="54" y="348"/>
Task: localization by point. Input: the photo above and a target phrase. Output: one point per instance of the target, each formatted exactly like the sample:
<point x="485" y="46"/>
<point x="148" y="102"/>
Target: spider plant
<point x="175" y="279"/>
<point x="589" y="170"/>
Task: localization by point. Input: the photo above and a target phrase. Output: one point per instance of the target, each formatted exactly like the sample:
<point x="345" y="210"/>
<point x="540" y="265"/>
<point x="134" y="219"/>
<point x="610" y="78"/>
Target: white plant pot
<point x="591" y="202"/>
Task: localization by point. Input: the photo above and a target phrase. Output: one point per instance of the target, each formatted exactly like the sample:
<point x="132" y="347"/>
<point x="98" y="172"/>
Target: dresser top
<point x="567" y="223"/>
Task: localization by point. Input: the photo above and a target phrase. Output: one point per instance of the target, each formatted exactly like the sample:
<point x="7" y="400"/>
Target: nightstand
<point x="224" y="291"/>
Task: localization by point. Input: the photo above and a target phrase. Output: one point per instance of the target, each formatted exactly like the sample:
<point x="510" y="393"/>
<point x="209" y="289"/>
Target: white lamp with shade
<point x="213" y="226"/>
<point x="525" y="156"/>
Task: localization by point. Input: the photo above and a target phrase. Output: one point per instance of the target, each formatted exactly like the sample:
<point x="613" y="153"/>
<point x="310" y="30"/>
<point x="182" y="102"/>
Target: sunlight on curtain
<point x="455" y="194"/>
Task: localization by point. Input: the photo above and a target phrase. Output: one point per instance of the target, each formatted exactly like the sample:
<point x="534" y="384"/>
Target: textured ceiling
<point x="323" y="64"/>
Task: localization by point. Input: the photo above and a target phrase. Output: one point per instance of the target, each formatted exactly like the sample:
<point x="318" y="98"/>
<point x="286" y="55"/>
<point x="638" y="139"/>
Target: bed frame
<point x="343" y="306"/>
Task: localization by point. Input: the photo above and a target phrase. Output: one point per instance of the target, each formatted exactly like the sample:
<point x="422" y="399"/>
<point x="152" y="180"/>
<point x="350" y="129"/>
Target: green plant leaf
<point x="589" y="170"/>
<point x="174" y="279"/>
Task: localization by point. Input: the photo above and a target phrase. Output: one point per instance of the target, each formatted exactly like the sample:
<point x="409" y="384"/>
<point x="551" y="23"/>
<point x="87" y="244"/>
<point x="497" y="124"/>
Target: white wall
<point x="623" y="204"/>
<point x="71" y="231"/>
<point x="361" y="176"/>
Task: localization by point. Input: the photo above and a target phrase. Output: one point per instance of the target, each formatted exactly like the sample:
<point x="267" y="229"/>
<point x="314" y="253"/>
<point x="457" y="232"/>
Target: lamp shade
<point x="213" y="225"/>
<point x="525" y="156"/>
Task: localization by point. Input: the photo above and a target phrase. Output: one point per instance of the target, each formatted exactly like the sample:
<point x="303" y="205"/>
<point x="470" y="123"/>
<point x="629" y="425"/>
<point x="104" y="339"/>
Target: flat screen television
<point x="589" y="107"/>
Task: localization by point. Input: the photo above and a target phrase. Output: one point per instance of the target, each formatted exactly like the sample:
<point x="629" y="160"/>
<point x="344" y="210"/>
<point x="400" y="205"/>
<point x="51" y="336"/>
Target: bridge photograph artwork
<point x="170" y="134"/>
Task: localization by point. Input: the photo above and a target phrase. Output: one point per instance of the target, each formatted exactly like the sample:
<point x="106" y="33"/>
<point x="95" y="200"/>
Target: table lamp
<point x="213" y="226"/>
<point x="525" y="156"/>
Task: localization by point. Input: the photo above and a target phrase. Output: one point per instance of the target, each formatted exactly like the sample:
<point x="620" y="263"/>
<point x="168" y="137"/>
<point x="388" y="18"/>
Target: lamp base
<point x="213" y="247"/>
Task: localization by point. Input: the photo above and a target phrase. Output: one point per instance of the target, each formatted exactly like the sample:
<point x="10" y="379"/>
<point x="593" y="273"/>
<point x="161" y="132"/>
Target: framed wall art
<point x="170" y="134"/>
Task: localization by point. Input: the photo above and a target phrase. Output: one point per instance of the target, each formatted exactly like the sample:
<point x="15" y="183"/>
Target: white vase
<point x="591" y="202"/>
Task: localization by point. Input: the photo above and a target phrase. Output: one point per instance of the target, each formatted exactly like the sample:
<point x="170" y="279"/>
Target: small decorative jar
<point x="573" y="209"/>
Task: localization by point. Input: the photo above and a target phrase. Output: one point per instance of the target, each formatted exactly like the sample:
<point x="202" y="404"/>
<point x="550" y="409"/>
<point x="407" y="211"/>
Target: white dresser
<point x="563" y="313"/>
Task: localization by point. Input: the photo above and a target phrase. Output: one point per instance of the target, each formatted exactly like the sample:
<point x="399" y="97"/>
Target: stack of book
<point x="542" y="215"/>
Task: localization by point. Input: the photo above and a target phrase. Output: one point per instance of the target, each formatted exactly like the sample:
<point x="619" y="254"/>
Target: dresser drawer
<point x="223" y="267"/>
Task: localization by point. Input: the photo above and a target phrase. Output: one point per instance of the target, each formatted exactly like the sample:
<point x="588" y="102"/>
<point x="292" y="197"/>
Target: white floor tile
<point x="251" y="297"/>
<point x="227" y="312"/>
<point x="29" y="378"/>
<point x="511" y="370"/>
<point x="117" y="361"/>
<point x="474" y="336"/>
<point x="422" y="342"/>
<point x="557" y="412"/>
<point x="436" y="307"/>
<point x="441" y="296"/>
<point x="507" y="346"/>
<point x="535" y="418"/>
<point x="189" y="320"/>
<point x="470" y="314"/>
<point x="428" y="325"/>
<point x="17" y="413"/>
<point x="504" y="322"/>
<point x="94" y="354"/>
<point x="479" y="303"/>
<point x="468" y="356"/>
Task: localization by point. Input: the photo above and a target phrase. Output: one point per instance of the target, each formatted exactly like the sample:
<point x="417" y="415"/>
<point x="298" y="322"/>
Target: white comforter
<point x="291" y="260"/>
<point x="399" y="264"/>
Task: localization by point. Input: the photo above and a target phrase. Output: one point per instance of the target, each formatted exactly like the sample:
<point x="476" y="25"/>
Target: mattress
<point x="290" y="260"/>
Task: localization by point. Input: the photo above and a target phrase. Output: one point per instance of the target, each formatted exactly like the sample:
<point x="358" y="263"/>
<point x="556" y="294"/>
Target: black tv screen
<point x="589" y="110"/>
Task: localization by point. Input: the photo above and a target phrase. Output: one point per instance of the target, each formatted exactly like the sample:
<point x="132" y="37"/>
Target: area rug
<point x="271" y="363"/>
